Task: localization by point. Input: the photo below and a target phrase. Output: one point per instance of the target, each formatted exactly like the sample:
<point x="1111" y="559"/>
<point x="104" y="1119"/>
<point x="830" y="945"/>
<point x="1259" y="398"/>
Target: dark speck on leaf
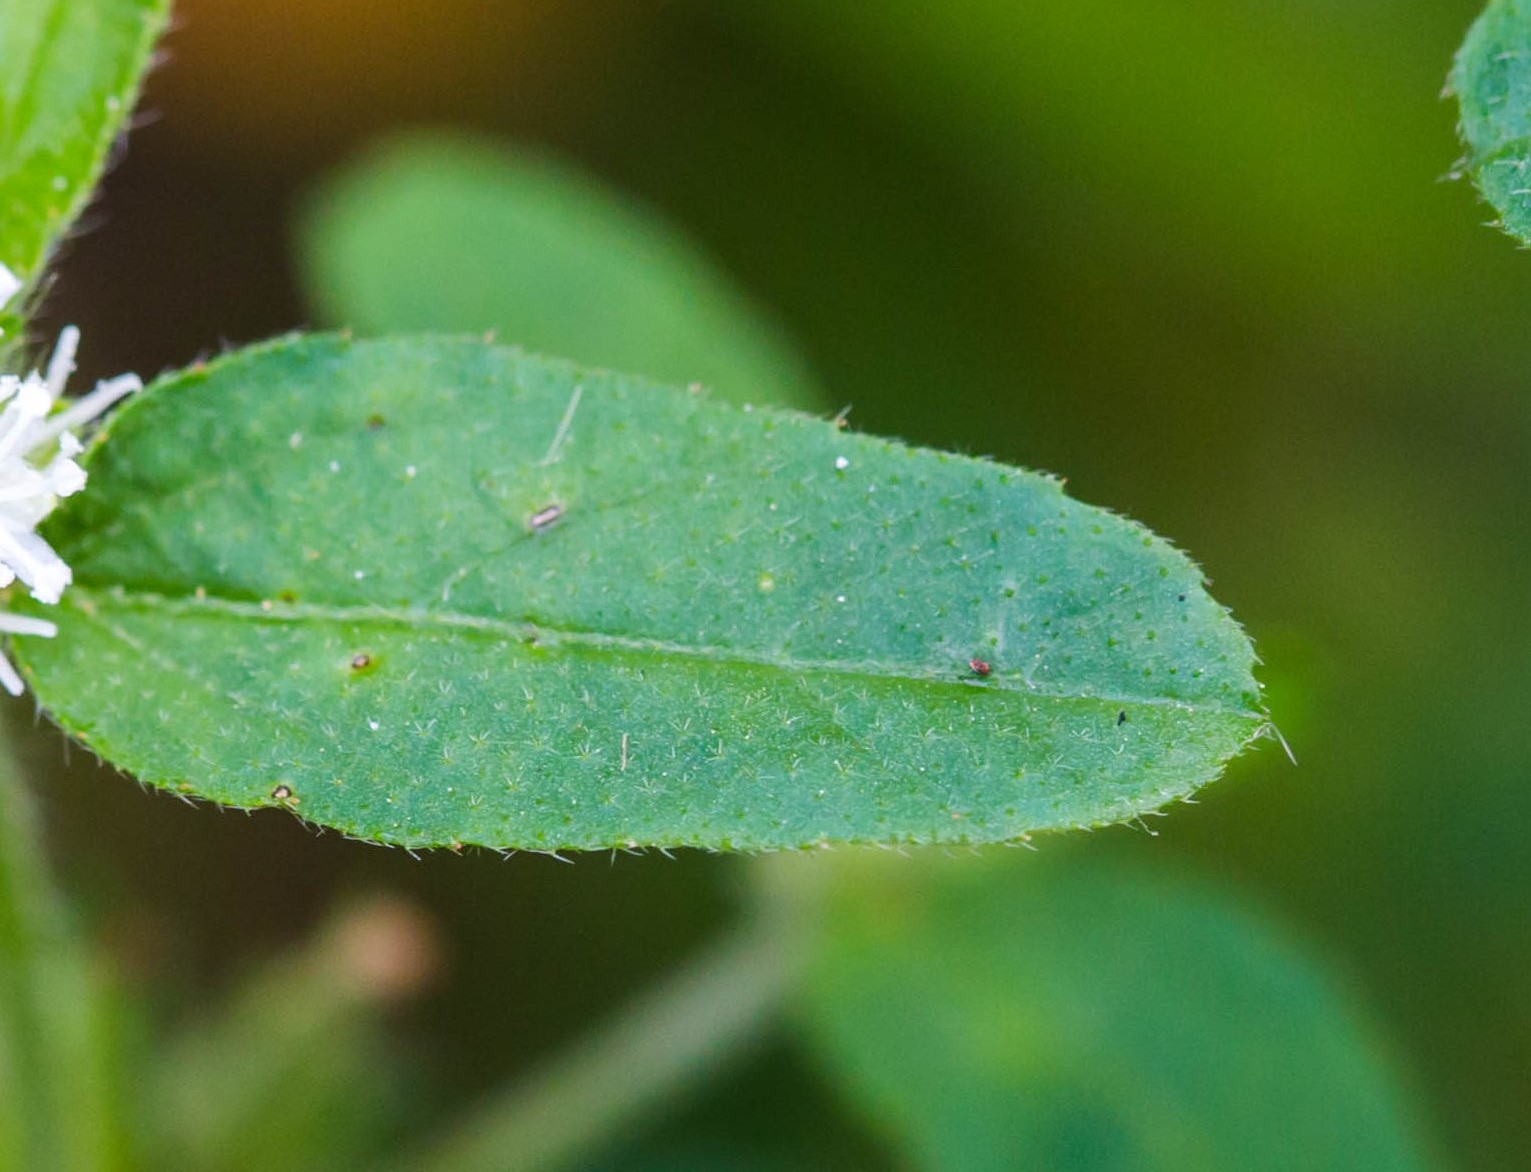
<point x="1121" y="718"/>
<point x="1180" y="598"/>
<point x="283" y="793"/>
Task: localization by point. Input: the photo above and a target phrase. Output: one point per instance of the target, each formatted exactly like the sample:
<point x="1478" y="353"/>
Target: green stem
<point x="55" y="1096"/>
<point x="663" y="1043"/>
<point x="27" y="907"/>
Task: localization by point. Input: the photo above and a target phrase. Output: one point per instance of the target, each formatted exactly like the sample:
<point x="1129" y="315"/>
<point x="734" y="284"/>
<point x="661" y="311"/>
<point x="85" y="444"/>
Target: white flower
<point x="10" y="285"/>
<point x="37" y="467"/>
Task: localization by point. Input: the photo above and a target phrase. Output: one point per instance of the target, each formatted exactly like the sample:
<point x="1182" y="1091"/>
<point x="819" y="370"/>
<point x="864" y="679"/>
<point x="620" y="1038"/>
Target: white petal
<point x="20" y="624"/>
<point x="61" y="365"/>
<point x="9" y="680"/>
<point x="86" y="408"/>
<point x="28" y="485"/>
<point x="35" y="563"/>
<point x="20" y="417"/>
<point x="52" y="582"/>
<point x="27" y="512"/>
<point x="32" y="397"/>
<point x="65" y="477"/>
<point x="10" y="285"/>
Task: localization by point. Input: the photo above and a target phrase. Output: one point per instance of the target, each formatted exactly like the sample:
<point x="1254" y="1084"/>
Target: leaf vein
<point x="532" y="632"/>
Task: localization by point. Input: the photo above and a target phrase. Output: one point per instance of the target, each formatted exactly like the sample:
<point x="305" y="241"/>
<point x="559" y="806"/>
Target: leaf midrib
<point x="531" y="632"/>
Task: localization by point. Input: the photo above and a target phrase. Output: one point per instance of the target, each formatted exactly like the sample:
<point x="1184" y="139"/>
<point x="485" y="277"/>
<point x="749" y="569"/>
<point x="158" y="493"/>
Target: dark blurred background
<point x="1196" y="257"/>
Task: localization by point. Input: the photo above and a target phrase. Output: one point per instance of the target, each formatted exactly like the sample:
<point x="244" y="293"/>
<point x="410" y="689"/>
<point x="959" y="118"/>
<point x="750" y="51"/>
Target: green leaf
<point x="440" y="234"/>
<point x="59" y="1070"/>
<point x="1492" y="81"/>
<point x="1083" y="1016"/>
<point x="69" y="74"/>
<point x="433" y="591"/>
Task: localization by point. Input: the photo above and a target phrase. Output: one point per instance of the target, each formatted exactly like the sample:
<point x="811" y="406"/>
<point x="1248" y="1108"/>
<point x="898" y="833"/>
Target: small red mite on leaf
<point x="980" y="668"/>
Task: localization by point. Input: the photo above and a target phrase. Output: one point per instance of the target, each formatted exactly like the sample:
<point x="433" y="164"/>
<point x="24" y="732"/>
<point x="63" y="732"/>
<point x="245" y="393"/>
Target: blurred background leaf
<point x="437" y="233"/>
<point x="1067" y="1014"/>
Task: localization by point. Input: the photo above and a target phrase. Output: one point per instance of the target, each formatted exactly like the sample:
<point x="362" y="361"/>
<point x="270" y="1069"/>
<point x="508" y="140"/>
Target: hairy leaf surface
<point x="1492" y="81"/>
<point x="437" y="591"/>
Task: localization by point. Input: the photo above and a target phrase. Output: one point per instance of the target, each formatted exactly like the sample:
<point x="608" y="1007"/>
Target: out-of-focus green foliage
<point x="1211" y="131"/>
<point x="59" y="1097"/>
<point x="658" y="1050"/>
<point x="444" y="592"/>
<point x="699" y="1158"/>
<point x="1068" y="1015"/>
<point x="292" y="1074"/>
<point x="69" y="74"/>
<point x="1492" y="81"/>
<point x="431" y="233"/>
